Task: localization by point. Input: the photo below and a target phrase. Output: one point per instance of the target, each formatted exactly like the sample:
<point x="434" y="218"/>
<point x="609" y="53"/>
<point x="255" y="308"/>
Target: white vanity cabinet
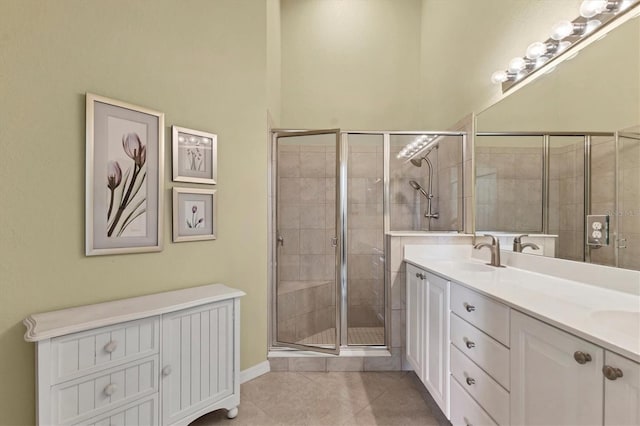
<point x="165" y="358"/>
<point x="427" y="327"/>
<point x="560" y="379"/>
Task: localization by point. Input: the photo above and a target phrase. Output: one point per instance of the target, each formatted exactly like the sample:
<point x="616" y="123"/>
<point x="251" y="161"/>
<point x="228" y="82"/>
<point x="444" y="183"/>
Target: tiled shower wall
<point x="306" y="221"/>
<point x="508" y="186"/>
<point x="628" y="212"/>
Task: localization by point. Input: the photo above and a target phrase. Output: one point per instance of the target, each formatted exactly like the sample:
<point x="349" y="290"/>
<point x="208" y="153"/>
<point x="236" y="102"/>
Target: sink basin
<point x="627" y="322"/>
<point x="473" y="267"/>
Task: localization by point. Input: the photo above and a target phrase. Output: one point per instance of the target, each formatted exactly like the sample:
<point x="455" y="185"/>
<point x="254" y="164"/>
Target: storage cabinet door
<point x="622" y="395"/>
<point x="197" y="359"/>
<point x="436" y="370"/>
<point x="548" y="385"/>
<point x="415" y="319"/>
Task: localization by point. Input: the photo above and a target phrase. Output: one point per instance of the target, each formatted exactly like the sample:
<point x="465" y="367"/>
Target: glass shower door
<point x="628" y="209"/>
<point x="307" y="247"/>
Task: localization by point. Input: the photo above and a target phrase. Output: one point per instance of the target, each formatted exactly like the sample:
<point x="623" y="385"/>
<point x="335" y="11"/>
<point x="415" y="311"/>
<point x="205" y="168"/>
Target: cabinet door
<point x="197" y="359"/>
<point x="415" y="319"/>
<point x="548" y="386"/>
<point x="436" y="349"/>
<point x="622" y="395"/>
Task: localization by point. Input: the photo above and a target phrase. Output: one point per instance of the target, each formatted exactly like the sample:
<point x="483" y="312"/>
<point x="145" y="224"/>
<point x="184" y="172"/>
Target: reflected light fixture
<point x="565" y="35"/>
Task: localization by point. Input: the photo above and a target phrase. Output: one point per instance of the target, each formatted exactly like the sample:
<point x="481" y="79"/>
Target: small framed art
<point x="195" y="156"/>
<point x="124" y="176"/>
<point x="194" y="214"/>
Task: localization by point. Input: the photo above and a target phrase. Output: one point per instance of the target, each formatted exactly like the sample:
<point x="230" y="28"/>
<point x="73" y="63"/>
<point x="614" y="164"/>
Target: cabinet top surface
<point x="47" y="325"/>
<point x="606" y="317"/>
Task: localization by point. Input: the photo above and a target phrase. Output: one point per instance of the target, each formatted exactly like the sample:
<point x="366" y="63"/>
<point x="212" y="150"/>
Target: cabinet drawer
<point x="489" y="394"/>
<point x="93" y="395"/>
<point x="464" y="410"/>
<point x="490" y="355"/>
<point x="78" y="354"/>
<point x="138" y="413"/>
<point x="488" y="315"/>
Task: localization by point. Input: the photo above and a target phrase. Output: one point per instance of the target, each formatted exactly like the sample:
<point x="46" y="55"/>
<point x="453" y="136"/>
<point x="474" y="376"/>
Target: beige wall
<point x="350" y="64"/>
<point x="200" y="62"/>
<point x="274" y="62"/>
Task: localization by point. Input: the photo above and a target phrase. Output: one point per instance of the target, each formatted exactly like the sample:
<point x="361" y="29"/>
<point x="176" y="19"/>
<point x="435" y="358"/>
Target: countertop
<point x="606" y="317"/>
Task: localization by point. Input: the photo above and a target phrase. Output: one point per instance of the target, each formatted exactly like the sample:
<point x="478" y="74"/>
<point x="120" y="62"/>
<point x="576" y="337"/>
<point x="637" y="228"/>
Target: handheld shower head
<point x="415" y="185"/>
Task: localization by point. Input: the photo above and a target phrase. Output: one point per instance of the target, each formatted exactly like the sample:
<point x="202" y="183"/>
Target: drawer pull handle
<point x="166" y="371"/>
<point x="470" y="344"/>
<point x="471" y="381"/>
<point x="581" y="357"/>
<point x="421" y="276"/>
<point x="111" y="346"/>
<point x="110" y="389"/>
<point x="469" y="308"/>
<point x="611" y="373"/>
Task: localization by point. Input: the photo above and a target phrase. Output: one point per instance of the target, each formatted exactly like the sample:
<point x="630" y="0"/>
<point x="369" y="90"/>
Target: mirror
<point x="565" y="146"/>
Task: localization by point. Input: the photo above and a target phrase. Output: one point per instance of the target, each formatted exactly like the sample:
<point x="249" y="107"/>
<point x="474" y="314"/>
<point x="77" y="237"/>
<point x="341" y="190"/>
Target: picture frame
<point x="194" y="214"/>
<point x="124" y="177"/>
<point x="194" y="156"/>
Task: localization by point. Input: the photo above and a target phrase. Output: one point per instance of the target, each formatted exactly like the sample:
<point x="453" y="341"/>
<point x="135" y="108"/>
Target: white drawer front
<point x="89" y="396"/>
<point x="86" y="352"/>
<point x="464" y="410"/>
<point x="488" y="315"/>
<point x="139" y="413"/>
<point x="490" y="355"/>
<point x="489" y="394"/>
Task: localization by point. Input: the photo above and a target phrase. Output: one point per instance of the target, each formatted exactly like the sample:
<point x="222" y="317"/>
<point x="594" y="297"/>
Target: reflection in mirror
<point x="567" y="148"/>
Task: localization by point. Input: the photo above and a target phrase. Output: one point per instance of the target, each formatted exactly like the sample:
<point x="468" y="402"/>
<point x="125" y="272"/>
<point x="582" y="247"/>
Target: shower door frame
<point x="339" y="255"/>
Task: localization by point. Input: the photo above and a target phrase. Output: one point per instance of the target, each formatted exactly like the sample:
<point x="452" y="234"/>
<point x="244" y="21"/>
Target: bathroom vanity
<point x="165" y="358"/>
<point x="522" y="347"/>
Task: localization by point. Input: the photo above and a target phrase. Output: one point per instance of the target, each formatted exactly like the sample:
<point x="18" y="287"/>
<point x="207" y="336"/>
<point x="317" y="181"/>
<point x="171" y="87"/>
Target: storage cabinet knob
<point x="470" y="344"/>
<point x="469" y="308"/>
<point x="111" y="346"/>
<point x="166" y="370"/>
<point x="110" y="389"/>
<point x="581" y="357"/>
<point x="611" y="373"/>
<point x="471" y="381"/>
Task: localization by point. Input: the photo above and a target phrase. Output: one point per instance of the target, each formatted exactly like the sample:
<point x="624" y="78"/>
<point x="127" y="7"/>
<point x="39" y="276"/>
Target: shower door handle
<point x="280" y="240"/>
<point x="334" y="242"/>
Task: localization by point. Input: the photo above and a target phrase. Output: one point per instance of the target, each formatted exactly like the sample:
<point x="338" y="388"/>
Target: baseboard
<point x="255" y="371"/>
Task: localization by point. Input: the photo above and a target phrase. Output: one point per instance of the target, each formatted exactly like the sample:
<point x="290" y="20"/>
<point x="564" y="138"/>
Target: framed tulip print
<point x="194" y="155"/>
<point x="124" y="175"/>
<point x="194" y="214"/>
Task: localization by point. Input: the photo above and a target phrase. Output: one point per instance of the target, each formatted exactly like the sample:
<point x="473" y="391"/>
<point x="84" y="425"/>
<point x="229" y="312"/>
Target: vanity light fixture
<point x="565" y="35"/>
<point x="423" y="142"/>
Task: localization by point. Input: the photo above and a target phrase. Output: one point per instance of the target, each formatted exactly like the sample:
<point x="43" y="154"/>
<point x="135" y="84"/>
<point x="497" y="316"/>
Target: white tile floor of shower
<point x="355" y="336"/>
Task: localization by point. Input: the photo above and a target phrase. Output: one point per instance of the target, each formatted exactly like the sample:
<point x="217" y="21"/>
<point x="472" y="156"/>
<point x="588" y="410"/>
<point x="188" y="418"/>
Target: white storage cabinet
<point x="427" y="328"/>
<point x="166" y="358"/>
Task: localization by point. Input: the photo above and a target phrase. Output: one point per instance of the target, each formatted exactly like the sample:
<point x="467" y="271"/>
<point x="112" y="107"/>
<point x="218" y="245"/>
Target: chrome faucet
<point x="518" y="246"/>
<point x="495" y="250"/>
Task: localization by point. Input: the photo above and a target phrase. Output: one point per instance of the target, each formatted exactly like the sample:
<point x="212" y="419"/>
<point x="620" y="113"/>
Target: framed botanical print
<point x="124" y="175"/>
<point x="194" y="214"/>
<point x="195" y="156"/>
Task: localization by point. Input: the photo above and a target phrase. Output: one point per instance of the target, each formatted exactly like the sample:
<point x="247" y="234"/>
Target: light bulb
<point x="591" y="8"/>
<point x="625" y="5"/>
<point x="561" y="30"/>
<point x="562" y="46"/>
<point x="499" y="77"/>
<point x="517" y="64"/>
<point x="591" y="26"/>
<point x="535" y="50"/>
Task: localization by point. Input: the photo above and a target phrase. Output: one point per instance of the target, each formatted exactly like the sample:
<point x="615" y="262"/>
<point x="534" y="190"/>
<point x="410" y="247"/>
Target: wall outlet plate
<point x="597" y="230"/>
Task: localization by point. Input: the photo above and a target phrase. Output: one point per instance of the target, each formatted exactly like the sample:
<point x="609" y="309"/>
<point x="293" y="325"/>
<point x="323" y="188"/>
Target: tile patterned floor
<point x="356" y="336"/>
<point x="354" y="398"/>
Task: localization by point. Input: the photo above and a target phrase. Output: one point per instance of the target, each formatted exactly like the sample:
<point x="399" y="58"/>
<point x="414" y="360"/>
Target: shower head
<point x="415" y="185"/>
<point x="418" y="161"/>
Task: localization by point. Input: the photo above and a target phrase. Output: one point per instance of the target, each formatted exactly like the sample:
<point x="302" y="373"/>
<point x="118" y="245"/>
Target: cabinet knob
<point x="111" y="346"/>
<point x="421" y="276"/>
<point x="110" y="389"/>
<point x="471" y="381"/>
<point x="581" y="357"/>
<point x="611" y="373"/>
<point x="470" y="344"/>
<point x="469" y="308"/>
<point x="166" y="371"/>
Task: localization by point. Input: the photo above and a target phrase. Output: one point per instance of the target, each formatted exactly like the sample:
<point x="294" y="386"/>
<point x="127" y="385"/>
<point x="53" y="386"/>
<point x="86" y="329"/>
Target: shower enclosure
<point x="334" y="196"/>
<point x="548" y="183"/>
